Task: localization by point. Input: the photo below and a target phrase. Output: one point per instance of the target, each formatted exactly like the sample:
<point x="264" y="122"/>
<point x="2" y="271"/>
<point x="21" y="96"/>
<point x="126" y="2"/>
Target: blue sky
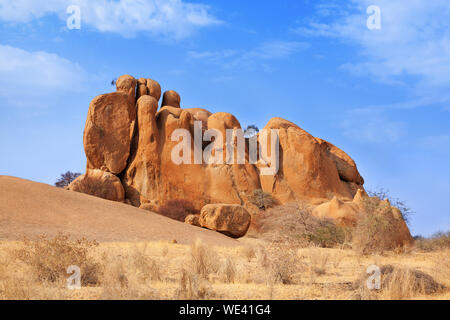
<point x="383" y="95"/>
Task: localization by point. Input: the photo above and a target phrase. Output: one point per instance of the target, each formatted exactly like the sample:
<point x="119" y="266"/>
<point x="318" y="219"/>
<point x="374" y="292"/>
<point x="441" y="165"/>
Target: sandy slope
<point x="29" y="208"/>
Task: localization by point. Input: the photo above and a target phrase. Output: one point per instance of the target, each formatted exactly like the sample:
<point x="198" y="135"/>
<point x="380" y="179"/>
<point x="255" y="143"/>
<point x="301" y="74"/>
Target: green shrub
<point x="328" y="235"/>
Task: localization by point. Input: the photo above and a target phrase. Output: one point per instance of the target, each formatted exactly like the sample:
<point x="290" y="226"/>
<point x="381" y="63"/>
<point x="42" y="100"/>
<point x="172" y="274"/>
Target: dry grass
<point x="256" y="270"/>
<point x="398" y="283"/>
<point x="293" y="224"/>
<point x="49" y="259"/>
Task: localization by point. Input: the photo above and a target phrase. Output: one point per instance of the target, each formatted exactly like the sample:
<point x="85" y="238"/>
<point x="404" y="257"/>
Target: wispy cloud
<point x="412" y="45"/>
<point x="436" y="143"/>
<point x="264" y="52"/>
<point x="372" y="126"/>
<point x="25" y="75"/>
<point x="172" y="18"/>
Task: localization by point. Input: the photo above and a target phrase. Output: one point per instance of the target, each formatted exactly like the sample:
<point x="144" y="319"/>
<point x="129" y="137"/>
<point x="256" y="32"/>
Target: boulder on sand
<point x="100" y="184"/>
<point x="229" y="219"/>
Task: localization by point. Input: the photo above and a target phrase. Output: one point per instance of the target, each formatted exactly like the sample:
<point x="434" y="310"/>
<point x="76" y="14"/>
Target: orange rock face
<point x="141" y="178"/>
<point x="100" y="184"/>
<point x="171" y="98"/>
<point x="108" y="132"/>
<point x="308" y="168"/>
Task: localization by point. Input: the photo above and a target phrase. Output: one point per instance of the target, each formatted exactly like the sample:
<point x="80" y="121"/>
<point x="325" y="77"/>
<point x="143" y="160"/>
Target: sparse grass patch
<point x="438" y="241"/>
<point x="50" y="258"/>
<point x="398" y="283"/>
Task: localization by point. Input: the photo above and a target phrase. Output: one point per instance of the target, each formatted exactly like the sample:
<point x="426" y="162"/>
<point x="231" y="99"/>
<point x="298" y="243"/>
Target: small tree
<point x="384" y="194"/>
<point x="251" y="131"/>
<point x="66" y="178"/>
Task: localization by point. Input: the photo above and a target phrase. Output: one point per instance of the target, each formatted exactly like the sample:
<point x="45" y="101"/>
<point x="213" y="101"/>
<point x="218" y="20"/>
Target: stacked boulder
<point x="128" y="145"/>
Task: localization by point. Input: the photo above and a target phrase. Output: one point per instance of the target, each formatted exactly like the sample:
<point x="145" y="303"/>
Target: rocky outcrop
<point x="347" y="213"/>
<point x="308" y="167"/>
<point x="100" y="184"/>
<point x="344" y="213"/>
<point x="129" y="142"/>
<point x="232" y="220"/>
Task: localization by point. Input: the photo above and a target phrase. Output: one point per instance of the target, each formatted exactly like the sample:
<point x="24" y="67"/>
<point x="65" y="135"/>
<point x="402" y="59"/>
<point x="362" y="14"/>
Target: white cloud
<point x="173" y="18"/>
<point x="414" y="40"/>
<point x="26" y="75"/>
<point x="247" y="58"/>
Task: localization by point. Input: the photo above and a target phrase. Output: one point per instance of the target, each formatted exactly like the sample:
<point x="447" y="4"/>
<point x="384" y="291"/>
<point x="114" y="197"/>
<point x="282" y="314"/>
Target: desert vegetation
<point x="66" y="178"/>
<point x="293" y="256"/>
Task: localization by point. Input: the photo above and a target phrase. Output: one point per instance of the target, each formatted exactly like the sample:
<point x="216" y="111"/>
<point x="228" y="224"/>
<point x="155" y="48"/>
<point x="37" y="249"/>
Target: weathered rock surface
<point x="232" y="220"/>
<point x="171" y="98"/>
<point x="307" y="171"/>
<point x="100" y="184"/>
<point x="148" y="87"/>
<point x="193" y="219"/>
<point x="344" y="213"/>
<point x="108" y="132"/>
<point x="127" y="85"/>
<point x="141" y="178"/>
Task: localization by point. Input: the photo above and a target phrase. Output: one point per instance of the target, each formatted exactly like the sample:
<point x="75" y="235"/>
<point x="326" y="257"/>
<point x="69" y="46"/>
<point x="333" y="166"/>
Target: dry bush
<point x="248" y="252"/>
<point x="376" y="228"/>
<point x="145" y="267"/>
<point x="50" y="258"/>
<point x="229" y="270"/>
<point x="294" y="224"/>
<point x="177" y="209"/>
<point x="397" y="283"/>
<point x="318" y="260"/>
<point x="126" y="277"/>
<point x="193" y="287"/>
<point x="204" y="261"/>
<point x="438" y="241"/>
<point x="384" y="194"/>
<point x="284" y="264"/>
<point x="263" y="200"/>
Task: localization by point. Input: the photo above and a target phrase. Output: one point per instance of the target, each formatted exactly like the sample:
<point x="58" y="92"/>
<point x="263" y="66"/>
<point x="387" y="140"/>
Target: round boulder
<point x="171" y="98"/>
<point x="100" y="184"/>
<point x="230" y="219"/>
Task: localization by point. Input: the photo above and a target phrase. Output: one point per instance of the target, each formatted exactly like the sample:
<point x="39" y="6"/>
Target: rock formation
<point x="129" y="141"/>
<point x="345" y="213"/>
